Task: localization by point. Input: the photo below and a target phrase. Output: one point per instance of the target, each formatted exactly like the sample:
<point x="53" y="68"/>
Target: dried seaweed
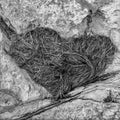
<point x="60" y="66"/>
<point x="98" y="49"/>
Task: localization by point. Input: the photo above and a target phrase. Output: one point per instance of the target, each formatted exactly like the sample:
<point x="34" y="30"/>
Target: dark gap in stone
<point x="60" y="70"/>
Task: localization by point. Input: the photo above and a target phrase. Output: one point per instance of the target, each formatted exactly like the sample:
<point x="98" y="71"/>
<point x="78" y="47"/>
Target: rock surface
<point x="99" y="101"/>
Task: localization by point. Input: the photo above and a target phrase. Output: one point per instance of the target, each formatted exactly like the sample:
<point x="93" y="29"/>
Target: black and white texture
<point x="60" y="65"/>
<point x="97" y="98"/>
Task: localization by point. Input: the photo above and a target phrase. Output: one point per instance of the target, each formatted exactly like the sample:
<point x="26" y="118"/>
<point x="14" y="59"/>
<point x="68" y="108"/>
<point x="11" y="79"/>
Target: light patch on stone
<point x="0" y="36"/>
<point x="115" y="36"/>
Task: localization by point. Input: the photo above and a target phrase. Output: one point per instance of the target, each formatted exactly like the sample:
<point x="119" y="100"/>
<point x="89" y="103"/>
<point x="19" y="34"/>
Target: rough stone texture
<point x="65" y="16"/>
